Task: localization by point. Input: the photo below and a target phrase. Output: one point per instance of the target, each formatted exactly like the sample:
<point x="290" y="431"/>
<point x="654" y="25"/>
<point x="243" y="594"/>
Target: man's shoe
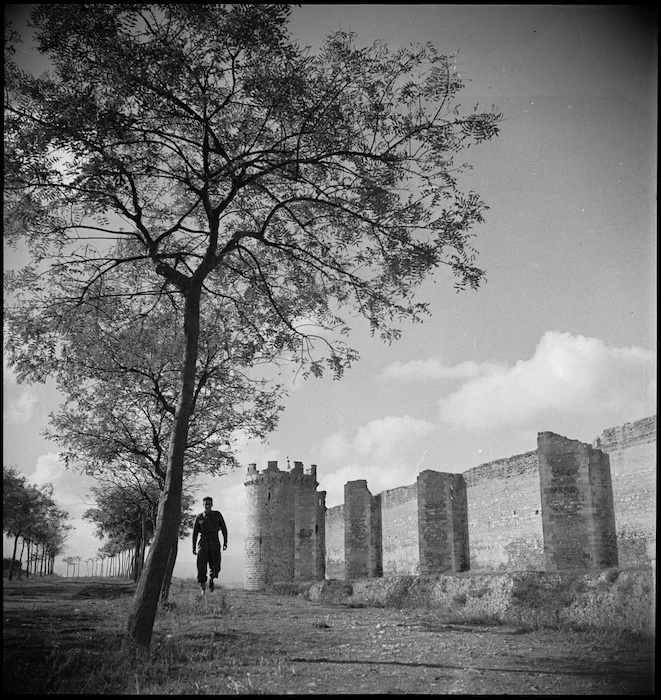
<point x="211" y="586"/>
<point x="202" y="590"/>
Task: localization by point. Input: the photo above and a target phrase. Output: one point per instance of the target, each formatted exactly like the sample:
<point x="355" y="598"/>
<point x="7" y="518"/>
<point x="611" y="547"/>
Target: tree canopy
<point x="30" y="513"/>
<point x="194" y="156"/>
<point x="125" y="514"/>
<point x="119" y="411"/>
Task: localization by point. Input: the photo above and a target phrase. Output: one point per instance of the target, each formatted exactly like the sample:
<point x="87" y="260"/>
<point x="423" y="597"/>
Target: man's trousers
<point x="208" y="556"/>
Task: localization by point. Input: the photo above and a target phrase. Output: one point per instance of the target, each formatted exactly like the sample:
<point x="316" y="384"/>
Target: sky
<point x="562" y="335"/>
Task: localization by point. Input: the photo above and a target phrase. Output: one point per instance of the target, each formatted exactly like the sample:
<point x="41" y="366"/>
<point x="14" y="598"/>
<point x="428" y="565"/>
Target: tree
<point x="119" y="414"/>
<point x="18" y="501"/>
<point x="31" y="514"/>
<point x="195" y="153"/>
<point x="125" y="516"/>
<point x="70" y="561"/>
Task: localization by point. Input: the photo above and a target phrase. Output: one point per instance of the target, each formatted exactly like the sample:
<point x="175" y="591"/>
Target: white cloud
<point x="433" y="368"/>
<point x="70" y="488"/>
<point x="377" y="440"/>
<point x="19" y="401"/>
<point x="378" y="452"/>
<point x="567" y="375"/>
<point x="20" y="409"/>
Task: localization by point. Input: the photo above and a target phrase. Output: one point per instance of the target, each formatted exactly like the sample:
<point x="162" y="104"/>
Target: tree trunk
<point x="143" y="535"/>
<point x="20" y="558"/>
<point x="13" y="558"/>
<point x="165" y="589"/>
<point x="145" y="602"/>
<point x="135" y="570"/>
<point x="27" y="560"/>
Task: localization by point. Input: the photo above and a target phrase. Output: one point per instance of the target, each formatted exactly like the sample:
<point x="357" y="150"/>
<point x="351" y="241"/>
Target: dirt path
<point x="248" y="643"/>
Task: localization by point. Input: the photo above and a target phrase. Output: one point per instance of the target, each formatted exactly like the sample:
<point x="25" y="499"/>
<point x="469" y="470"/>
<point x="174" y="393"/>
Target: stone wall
<point x="320" y="544"/>
<point x="505" y="515"/>
<point x="399" y="527"/>
<point x="442" y="523"/>
<point x="577" y="505"/>
<point x="283" y="539"/>
<point x="335" y="561"/>
<point x="560" y="507"/>
<point x="361" y="531"/>
<point x="632" y="452"/>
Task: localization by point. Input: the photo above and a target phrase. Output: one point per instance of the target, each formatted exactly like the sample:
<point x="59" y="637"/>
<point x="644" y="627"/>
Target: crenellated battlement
<point x="272" y="470"/>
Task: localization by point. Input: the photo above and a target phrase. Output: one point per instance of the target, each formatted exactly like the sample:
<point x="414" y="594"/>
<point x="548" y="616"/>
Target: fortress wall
<point x="253" y="570"/>
<point x="305" y="523"/>
<point x="375" y="565"/>
<point x="335" y="560"/>
<point x="577" y="507"/>
<point x="442" y="523"/>
<point x="504" y="515"/>
<point x="593" y="496"/>
<point x="632" y="452"/>
<point x="358" y="534"/>
<point x="320" y="540"/>
<point x="602" y="536"/>
<point x="399" y="523"/>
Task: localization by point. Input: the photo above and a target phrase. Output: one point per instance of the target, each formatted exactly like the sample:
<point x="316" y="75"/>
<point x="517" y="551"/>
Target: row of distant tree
<point x="119" y="564"/>
<point x="124" y="513"/>
<point x="32" y="519"/>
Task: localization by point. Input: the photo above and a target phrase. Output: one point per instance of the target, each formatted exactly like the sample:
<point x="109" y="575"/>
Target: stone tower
<point x="577" y="505"/>
<point x="442" y="523"/>
<point x="286" y="526"/>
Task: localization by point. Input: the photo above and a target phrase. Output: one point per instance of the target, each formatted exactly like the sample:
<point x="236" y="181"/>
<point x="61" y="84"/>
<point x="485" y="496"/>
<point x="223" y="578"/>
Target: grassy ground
<point x="64" y="636"/>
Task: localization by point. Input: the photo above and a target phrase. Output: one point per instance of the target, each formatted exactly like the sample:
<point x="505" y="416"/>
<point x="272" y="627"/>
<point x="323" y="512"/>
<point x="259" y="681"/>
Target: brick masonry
<point x="565" y="506"/>
<point x="504" y="515"/>
<point x="577" y="505"/>
<point x="631" y="449"/>
<point x="286" y="517"/>
<point x="442" y="523"/>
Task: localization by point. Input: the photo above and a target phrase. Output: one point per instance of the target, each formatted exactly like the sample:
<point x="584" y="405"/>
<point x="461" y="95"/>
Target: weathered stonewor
<point x="417" y="529"/>
<point x="334" y="537"/>
<point x="362" y="531"/>
<point x="631" y="449"/>
<point x="400" y="535"/>
<point x="560" y="507"/>
<point x="504" y="515"/>
<point x="285" y="540"/>
<point x="577" y="505"/>
<point x="442" y="523"/>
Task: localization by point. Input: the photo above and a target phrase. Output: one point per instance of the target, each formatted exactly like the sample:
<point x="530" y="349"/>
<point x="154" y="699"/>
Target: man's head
<point x="207" y="502"/>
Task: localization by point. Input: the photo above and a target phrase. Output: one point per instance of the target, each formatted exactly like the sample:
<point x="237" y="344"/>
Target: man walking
<point x="207" y="526"/>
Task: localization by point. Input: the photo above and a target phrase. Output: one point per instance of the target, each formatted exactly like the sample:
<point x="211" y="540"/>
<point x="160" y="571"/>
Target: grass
<point x="197" y="650"/>
<point x="193" y="652"/>
<point x="181" y="659"/>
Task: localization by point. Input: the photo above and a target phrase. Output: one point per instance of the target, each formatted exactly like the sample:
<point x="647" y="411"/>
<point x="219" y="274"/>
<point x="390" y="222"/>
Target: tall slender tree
<point x="195" y="152"/>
